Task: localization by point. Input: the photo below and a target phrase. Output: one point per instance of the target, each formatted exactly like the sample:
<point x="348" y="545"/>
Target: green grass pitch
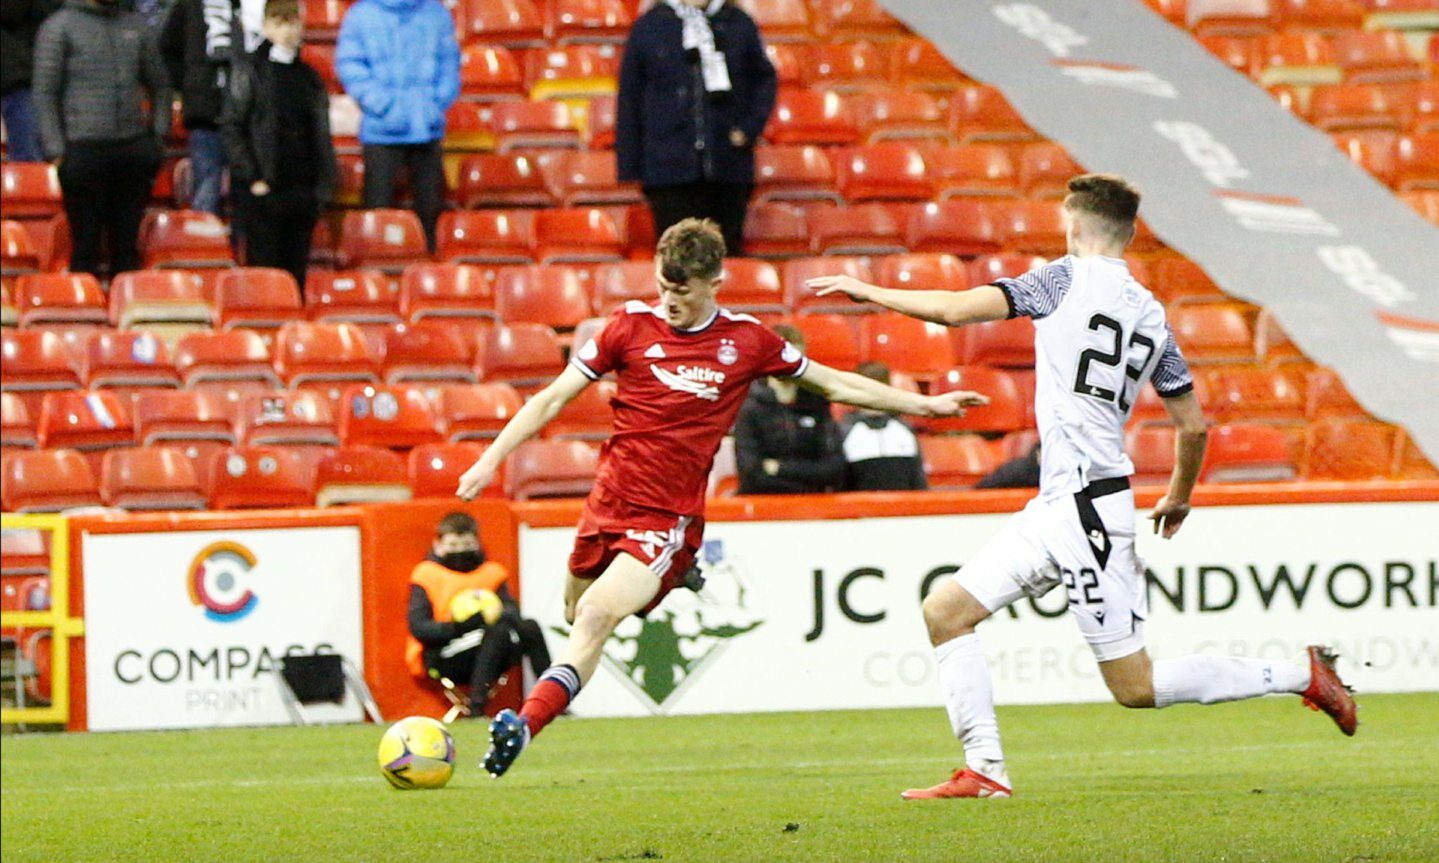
<point x="1253" y="782"/>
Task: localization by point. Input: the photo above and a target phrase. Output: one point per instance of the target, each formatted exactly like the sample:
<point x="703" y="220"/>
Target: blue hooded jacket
<point x="400" y="61"/>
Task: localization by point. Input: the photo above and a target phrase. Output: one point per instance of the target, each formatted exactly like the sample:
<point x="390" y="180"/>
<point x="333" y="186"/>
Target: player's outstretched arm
<point x="951" y="308"/>
<point x="1190" y="435"/>
<point x="860" y="391"/>
<point x="539" y="410"/>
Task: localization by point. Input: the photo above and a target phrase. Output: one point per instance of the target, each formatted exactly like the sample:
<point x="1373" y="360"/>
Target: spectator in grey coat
<point x="96" y="67"/>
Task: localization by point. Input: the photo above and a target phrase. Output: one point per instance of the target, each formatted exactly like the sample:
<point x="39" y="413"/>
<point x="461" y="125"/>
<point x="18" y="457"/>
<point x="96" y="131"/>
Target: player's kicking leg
<point x="626" y="586"/>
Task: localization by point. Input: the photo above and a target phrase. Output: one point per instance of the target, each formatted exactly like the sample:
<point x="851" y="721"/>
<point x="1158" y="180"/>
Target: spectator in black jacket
<point x="695" y="92"/>
<point x="19" y="19"/>
<point x="881" y="452"/>
<point x="96" y="63"/>
<point x="196" y="47"/>
<point x="786" y="442"/>
<point x="276" y="129"/>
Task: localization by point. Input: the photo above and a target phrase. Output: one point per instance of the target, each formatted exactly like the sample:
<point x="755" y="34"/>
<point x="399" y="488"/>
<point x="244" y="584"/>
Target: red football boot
<point x="964" y="783"/>
<point x="1327" y="692"/>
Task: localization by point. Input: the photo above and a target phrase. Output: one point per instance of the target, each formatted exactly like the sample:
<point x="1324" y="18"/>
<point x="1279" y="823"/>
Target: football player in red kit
<point x="684" y="366"/>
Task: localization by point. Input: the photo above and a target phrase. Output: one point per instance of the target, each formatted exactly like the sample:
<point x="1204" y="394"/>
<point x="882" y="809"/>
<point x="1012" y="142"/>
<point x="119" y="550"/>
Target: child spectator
<point x="881" y="452"/>
<point x="196" y="46"/>
<point x="786" y="442"/>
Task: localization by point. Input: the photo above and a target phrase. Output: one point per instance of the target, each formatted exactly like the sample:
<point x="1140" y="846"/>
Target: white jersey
<point x="1099" y="336"/>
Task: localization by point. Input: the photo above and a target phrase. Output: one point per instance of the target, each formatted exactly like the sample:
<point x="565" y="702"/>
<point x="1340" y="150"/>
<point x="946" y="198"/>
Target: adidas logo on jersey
<point x="656" y="351"/>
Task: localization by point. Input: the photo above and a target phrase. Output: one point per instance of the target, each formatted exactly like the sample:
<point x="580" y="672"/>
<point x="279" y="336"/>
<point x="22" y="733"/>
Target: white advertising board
<point x="804" y="615"/>
<point x="184" y="629"/>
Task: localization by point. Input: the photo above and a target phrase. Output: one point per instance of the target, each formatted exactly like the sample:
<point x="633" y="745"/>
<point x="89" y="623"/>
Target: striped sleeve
<point x="1171" y="375"/>
<point x="1038" y="292"/>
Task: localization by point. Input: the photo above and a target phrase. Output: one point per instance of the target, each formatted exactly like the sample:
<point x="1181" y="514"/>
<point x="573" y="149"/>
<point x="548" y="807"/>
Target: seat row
<point x="1262" y="17"/>
<point x="1308" y="57"/>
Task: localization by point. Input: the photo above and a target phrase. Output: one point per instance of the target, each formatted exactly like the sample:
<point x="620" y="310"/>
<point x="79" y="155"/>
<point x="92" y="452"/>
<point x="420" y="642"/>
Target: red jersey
<point x="679" y="391"/>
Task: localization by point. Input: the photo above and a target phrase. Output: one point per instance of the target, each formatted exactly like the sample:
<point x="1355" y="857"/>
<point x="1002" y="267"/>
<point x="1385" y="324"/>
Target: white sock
<point x="1212" y="679"/>
<point x="969" y="700"/>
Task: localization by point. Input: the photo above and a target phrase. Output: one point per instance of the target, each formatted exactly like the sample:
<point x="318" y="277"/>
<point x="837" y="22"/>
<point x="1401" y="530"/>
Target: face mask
<point x="463" y="561"/>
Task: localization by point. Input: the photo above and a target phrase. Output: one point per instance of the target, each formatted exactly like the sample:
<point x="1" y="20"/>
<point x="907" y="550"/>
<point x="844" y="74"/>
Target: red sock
<point x="553" y="692"/>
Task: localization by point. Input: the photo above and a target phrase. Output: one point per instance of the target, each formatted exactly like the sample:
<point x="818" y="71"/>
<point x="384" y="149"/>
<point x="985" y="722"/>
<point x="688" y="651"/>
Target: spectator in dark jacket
<point x="19" y="19"/>
<point x="695" y="92"/>
<point x="95" y="64"/>
<point x="881" y="452"/>
<point x="1021" y="472"/>
<point x="786" y="442"/>
<point x="401" y="63"/>
<point x="276" y="128"/>
<point x="196" y="47"/>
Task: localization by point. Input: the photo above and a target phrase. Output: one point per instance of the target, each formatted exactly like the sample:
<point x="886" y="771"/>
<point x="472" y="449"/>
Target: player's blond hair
<point x="1109" y="200"/>
<point x="691" y="249"/>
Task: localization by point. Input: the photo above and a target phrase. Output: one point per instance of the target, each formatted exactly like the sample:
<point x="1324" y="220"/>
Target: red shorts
<point x="665" y="542"/>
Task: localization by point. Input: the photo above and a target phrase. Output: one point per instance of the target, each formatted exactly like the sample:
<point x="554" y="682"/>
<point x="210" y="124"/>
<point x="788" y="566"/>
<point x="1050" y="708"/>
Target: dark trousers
<point x="725" y="203"/>
<point x="504" y="644"/>
<point x="426" y="170"/>
<point x="106" y="185"/>
<point x="277" y="229"/>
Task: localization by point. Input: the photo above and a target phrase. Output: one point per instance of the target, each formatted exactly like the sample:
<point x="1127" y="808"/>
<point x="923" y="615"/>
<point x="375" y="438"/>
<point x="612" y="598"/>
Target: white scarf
<point x="698" y="35"/>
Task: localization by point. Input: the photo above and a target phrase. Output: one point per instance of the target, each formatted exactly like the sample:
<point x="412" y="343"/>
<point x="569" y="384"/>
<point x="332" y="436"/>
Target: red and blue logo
<point x="217" y="581"/>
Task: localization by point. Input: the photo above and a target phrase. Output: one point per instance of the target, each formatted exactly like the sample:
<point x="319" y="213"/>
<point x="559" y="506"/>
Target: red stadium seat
<point x="165" y="297"/>
<point x="246" y="477"/>
<point x="588" y="178"/>
<point x="322" y="19"/>
<point x="1318" y="16"/>
<point x="1300" y="59"/>
<point x="579" y="21"/>
<point x="490" y="73"/>
<point x="1350" y="450"/>
<point x="127" y="359"/>
<point x="587" y="416"/>
<point x="890" y="115"/>
<point x="288" y="418"/>
<point x="387" y="416"/>
<point x="856" y="19"/>
<point x="503" y="180"/>
<point x="1326" y="397"/>
<point x="921" y="271"/>
<point x="979" y="112"/>
<point x="1180" y="280"/>
<point x="781" y="20"/>
<point x="153" y="478"/>
<point x="360" y="474"/>
<point x="48" y="481"/>
<point x="973" y="170"/>
<point x="846" y="67"/>
<point x="810" y="117"/>
<point x="514" y="23"/>
<point x="260" y="298"/>
<point x="1374" y="150"/>
<point x="468" y="129"/>
<point x="1353" y="107"/>
<point x="1045" y="170"/>
<point x="551" y="295"/>
<point x="617" y="284"/>
<point x="435" y="470"/>
<point x="986" y="269"/>
<point x="532" y="125"/>
<point x="750" y="286"/>
<point x="233" y="358"/>
<point x="829" y="339"/>
<point x="956" y="461"/>
<point x="917" y="65"/>
<point x="1424" y="107"/>
<point x="862" y="229"/>
<point x="1416" y="163"/>
<point x="799" y="173"/>
<point x="1151" y="448"/>
<point x="579" y="235"/>
<point x="550" y="468"/>
<point x="446" y="291"/>
<point x="883" y="172"/>
<point x="906" y="345"/>
<point x="182" y="415"/>
<point x="776" y="230"/>
<point x="477" y="412"/>
<point x="17" y="429"/>
<point x="185" y="239"/>
<point x="1254" y="393"/>
<point x="60" y="298"/>
<point x="958" y="227"/>
<point x="1214" y="332"/>
<point x="523" y="355"/>
<point x="1230" y="17"/>
<point x="1376" y="57"/>
<point x="1036" y="227"/>
<point x="30" y="190"/>
<point x="18" y="254"/>
<point x="308" y="354"/>
<point x="351" y="296"/>
<point x="600" y="118"/>
<point x="1005" y="344"/>
<point x="387" y="240"/>
<point x="425" y="352"/>
<point x="1008" y="408"/>
<point x="570" y="73"/>
<point x="486" y="237"/>
<point x="802" y="300"/>
<point x="86" y="421"/>
<point x="1244" y="452"/>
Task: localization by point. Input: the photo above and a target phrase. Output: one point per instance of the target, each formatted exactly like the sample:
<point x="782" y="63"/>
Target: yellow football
<point x="468" y="603"/>
<point x="417" y="752"/>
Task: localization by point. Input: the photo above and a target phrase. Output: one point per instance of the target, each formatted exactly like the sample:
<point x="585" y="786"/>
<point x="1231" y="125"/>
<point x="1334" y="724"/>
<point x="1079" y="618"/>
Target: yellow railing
<point x="58" y="620"/>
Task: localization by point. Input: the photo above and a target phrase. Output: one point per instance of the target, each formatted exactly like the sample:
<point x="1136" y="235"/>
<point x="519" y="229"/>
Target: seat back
<point x="446" y="291"/>
<point x="434" y="470"/>
<point x="256" y="477"/>
<point x="159" y="296"/>
<point x="520" y="354"/>
<point x="387" y="416"/>
<point x="360" y="474"/>
<point x="550" y="468"/>
<point x="425" y="352"/>
<point x="48" y="480"/>
<point x="286" y="417"/>
<point x="477" y="411"/>
<point x="88" y="421"/>
<point x="309" y="353"/>
<point x="128" y="359"/>
<point x="232" y="356"/>
<point x="955" y="461"/>
<point x="60" y="298"/>
<point x="257" y="298"/>
<point x="151" y="478"/>
<point x="387" y="240"/>
<point x="1008" y="408"/>
<point x="351" y="296"/>
<point x="906" y="344"/>
<point x="486" y="236"/>
<point x="551" y="295"/>
<point x="169" y="415"/>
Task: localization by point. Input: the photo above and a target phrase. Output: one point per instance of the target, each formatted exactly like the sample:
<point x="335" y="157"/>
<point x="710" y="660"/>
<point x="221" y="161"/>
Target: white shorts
<point x="1085" y="542"/>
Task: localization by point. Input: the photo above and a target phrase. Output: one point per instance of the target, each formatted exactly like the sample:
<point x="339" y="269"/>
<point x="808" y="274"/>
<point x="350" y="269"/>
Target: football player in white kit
<point x="1099" y="336"/>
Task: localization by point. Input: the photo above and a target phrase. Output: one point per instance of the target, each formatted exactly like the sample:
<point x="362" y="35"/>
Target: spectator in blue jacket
<point x="696" y="91"/>
<point x="401" y="63"/>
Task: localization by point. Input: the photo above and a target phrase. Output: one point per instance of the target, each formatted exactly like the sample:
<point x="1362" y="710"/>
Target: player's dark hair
<point x="456" y="522"/>
<point x="285" y="10"/>
<point x="791" y="334"/>
<point x="874" y="371"/>
<point x="691" y="249"/>
<point x="1109" y="198"/>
